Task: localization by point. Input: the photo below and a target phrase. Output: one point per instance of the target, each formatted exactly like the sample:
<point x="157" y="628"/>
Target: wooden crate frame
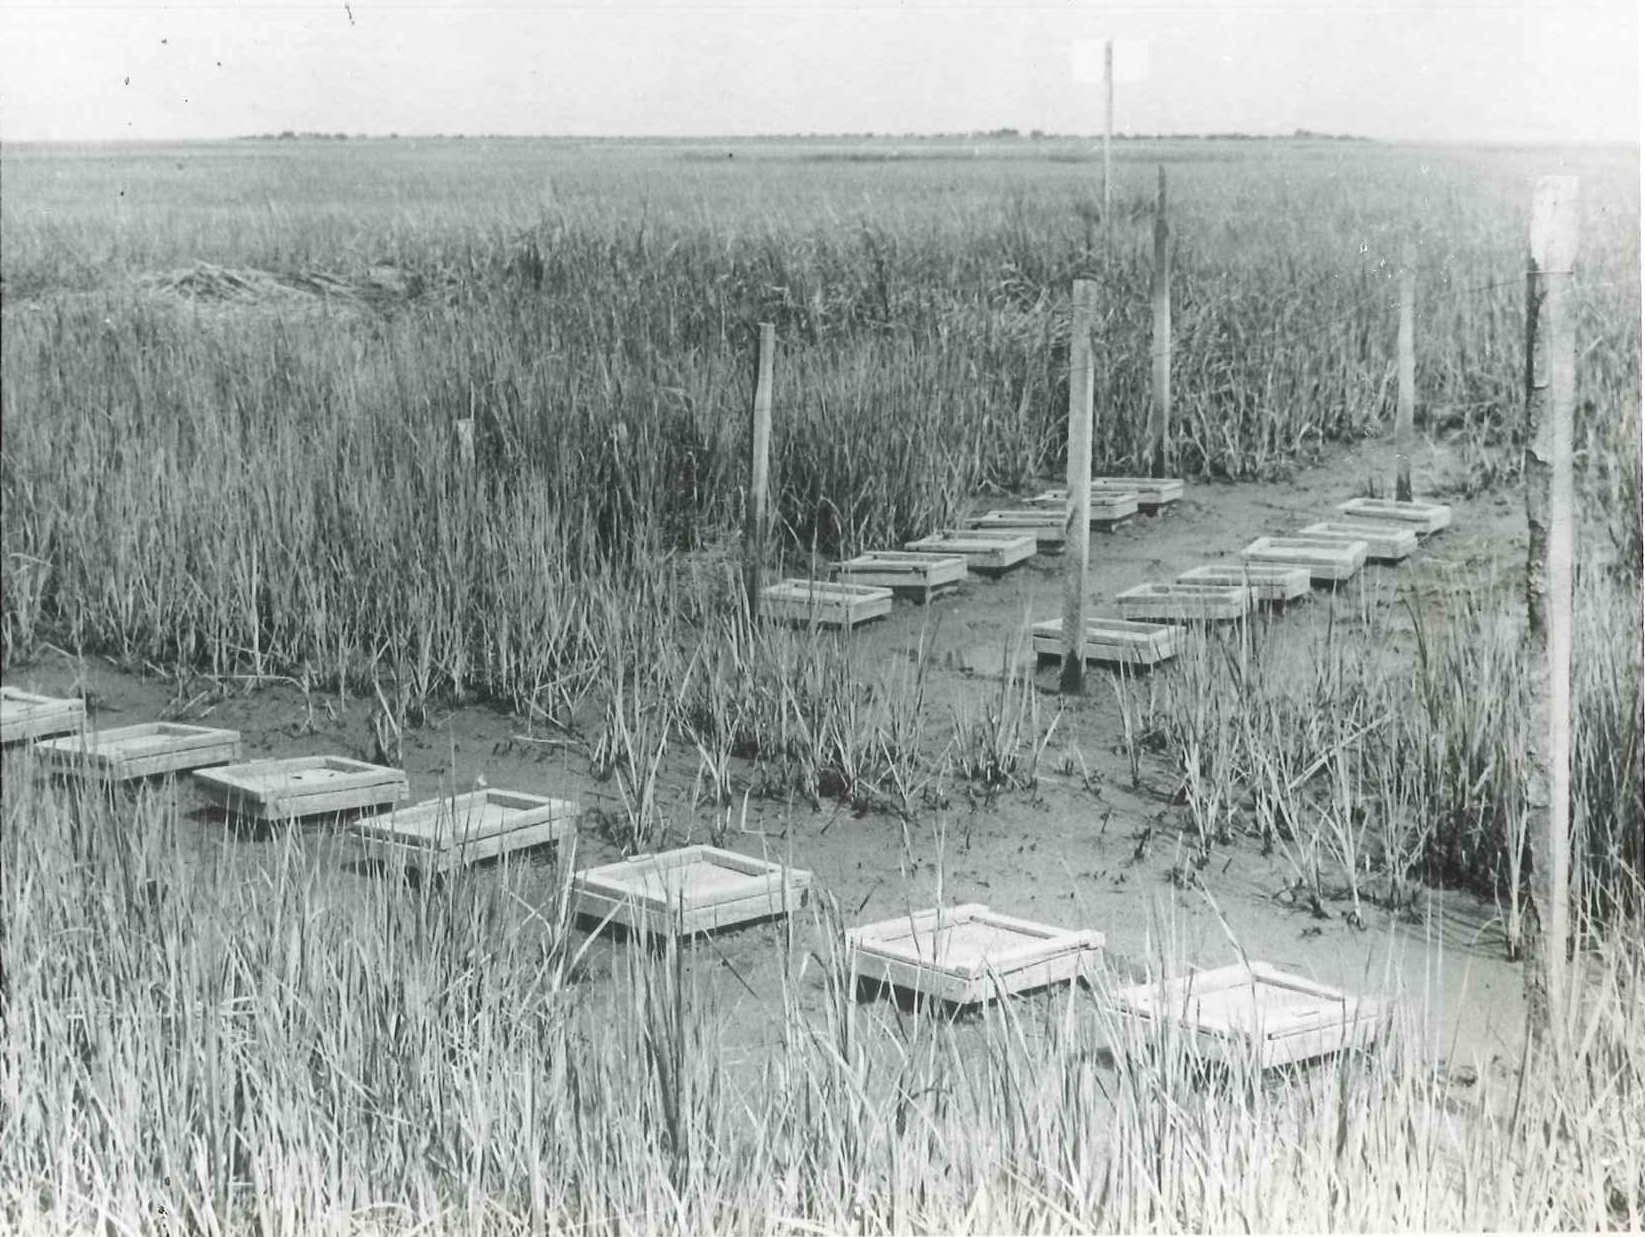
<point x="148" y="749"/>
<point x="1047" y="529"/>
<point x="907" y="573"/>
<point x="1328" y="559"/>
<point x="986" y="551"/>
<point x="1112" y="640"/>
<point x="1384" y="541"/>
<point x="1268" y="582"/>
<point x="425" y="835"/>
<point x="1109" y="509"/>
<point x="272" y="789"/>
<point x="1426" y="518"/>
<point x="825" y="604"/>
<point x="908" y="952"/>
<point x="28" y="715"/>
<point x="1309" y="1019"/>
<point x="1152" y="492"/>
<point x="1178" y="602"/>
<point x="638" y="894"/>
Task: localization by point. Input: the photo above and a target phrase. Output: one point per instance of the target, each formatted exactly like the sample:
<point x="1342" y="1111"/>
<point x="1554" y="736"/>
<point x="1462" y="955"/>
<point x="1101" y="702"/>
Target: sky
<point x="1561" y="70"/>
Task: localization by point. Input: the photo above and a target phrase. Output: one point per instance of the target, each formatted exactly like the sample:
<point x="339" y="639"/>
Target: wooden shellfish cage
<point x="687" y="891"/>
<point x="968" y="954"/>
<point x="1255" y="1013"/>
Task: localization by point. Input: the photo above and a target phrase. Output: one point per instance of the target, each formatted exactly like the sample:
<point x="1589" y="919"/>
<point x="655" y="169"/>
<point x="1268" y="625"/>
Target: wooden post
<point x="1077" y="517"/>
<point x="1160" y="431"/>
<point x="759" y="464"/>
<point x="1407" y="373"/>
<point x="1108" y="150"/>
<point x="1550" y="397"/>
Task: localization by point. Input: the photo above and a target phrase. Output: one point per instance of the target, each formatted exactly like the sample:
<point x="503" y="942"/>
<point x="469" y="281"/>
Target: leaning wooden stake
<point x="1550" y="396"/>
<point x="1160" y="431"/>
<point x="1077" y="521"/>
<point x="759" y="464"/>
<point x="1407" y="373"/>
<point x="1108" y="150"/>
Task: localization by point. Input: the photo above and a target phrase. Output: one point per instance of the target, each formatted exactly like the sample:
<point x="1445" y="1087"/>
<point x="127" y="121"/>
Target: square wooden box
<point x="1328" y="559"/>
<point x="1256" y="1013"/>
<point x="966" y="954"/>
<point x="1109" y="508"/>
<point x="1120" y="641"/>
<point x="302" y="786"/>
<point x="441" y="834"/>
<point x="689" y="890"/>
<point x="148" y="749"/>
<point x="1384" y="541"/>
<point x="1185" y="603"/>
<point x="25" y="715"/>
<point x="1269" y="582"/>
<point x="917" y="577"/>
<point x="827" y="605"/>
<point x="986" y="551"/>
<point x="1426" y="518"/>
<point x="1046" y="527"/>
<point x="1152" y="492"/>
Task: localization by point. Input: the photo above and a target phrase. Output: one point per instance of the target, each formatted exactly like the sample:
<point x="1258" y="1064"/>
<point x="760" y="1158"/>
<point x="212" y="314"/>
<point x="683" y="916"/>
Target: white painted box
<point x="26" y="715"/>
<point x="906" y="573"/>
<point x="302" y="786"/>
<point x="1045" y="527"/>
<point x="1425" y="517"/>
<point x="1270" y="582"/>
<point x="827" y="605"/>
<point x="441" y="834"/>
<point x="1256" y="1013"/>
<point x="149" y="749"/>
<point x="1151" y="492"/>
<point x="1109" y="508"/>
<point x="1329" y="559"/>
<point x="1185" y="603"/>
<point x="1115" y="640"/>
<point x="689" y="890"/>
<point x="1384" y="541"/>
<point x="966" y="954"/>
<point x="986" y="551"/>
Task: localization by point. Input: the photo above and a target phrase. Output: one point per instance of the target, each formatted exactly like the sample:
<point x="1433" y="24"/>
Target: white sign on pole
<point x="1130" y="60"/>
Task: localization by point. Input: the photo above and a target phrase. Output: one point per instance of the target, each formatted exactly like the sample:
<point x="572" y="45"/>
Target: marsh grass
<point x="228" y="1036"/>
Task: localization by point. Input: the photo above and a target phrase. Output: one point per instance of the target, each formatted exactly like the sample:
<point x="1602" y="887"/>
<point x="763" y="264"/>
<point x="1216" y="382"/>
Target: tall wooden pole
<point x="759" y="465"/>
<point x="1160" y="431"/>
<point x="1108" y="149"/>
<point x="1407" y="372"/>
<point x="1077" y="516"/>
<point x="1550" y="398"/>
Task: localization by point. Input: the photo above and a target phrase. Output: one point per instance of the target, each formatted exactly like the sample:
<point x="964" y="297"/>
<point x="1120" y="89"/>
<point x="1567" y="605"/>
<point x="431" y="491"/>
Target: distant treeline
<point x="1033" y="135"/>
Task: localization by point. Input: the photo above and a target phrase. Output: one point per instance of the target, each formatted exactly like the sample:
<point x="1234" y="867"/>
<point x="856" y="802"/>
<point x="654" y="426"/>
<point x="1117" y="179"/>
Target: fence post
<point x="1407" y="373"/>
<point x="759" y="464"/>
<point x="1108" y="150"/>
<point x="1160" y="432"/>
<point x="1077" y="511"/>
<point x="1550" y="397"/>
